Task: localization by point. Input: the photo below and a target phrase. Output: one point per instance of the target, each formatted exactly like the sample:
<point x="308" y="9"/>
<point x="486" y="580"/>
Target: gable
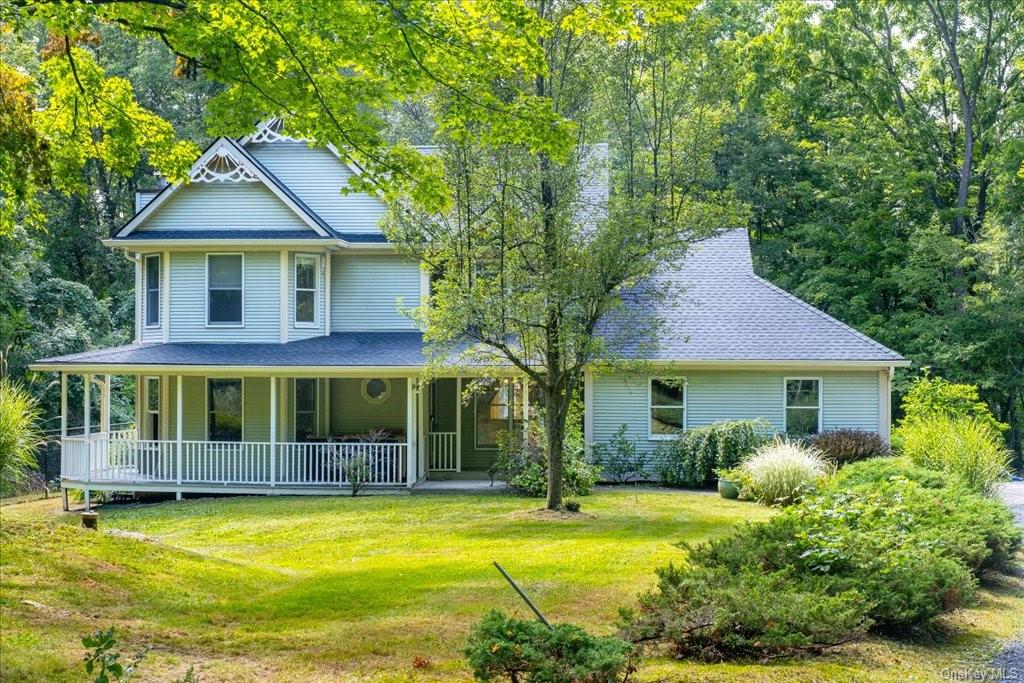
<point x="224" y="206"/>
<point x="244" y="197"/>
<point x="317" y="176"/>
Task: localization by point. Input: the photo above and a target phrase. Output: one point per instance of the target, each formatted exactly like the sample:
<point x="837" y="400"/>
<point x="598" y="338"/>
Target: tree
<point x="891" y="196"/>
<point x="530" y="263"/>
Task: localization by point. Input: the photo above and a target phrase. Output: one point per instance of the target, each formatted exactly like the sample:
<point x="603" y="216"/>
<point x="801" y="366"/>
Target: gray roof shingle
<point x="717" y="309"/>
<point x="341" y="349"/>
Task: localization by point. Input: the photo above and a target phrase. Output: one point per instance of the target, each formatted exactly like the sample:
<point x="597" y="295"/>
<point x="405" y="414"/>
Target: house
<point x="272" y="353"/>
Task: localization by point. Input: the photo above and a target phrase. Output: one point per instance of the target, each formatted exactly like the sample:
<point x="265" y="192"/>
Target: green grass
<point x="357" y="589"/>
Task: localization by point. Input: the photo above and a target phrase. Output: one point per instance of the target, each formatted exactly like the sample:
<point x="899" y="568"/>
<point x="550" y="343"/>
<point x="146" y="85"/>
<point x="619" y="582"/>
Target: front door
<point x="443" y="425"/>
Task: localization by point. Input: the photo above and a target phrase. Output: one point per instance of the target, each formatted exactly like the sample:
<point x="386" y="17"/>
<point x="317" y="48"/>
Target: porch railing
<point x="121" y="458"/>
<point x="443" y="450"/>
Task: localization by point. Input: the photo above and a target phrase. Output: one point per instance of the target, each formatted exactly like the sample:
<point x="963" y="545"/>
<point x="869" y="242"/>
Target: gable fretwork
<point x="223" y="166"/>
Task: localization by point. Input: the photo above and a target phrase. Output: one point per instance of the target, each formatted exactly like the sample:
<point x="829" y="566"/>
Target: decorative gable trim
<point x="224" y="166"/>
<point x="269" y="132"/>
<point x="226" y="161"/>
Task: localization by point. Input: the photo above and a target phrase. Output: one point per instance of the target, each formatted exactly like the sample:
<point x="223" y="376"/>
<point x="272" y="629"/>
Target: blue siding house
<point x="272" y="349"/>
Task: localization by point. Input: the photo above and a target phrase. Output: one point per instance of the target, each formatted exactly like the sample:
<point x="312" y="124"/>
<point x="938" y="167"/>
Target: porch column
<point x="63" y="435"/>
<point x="273" y="431"/>
<point x="105" y="406"/>
<point x="410" y="431"/>
<point x="526" y="411"/>
<point x="86" y="418"/>
<point x="458" y="424"/>
<point x="179" y="422"/>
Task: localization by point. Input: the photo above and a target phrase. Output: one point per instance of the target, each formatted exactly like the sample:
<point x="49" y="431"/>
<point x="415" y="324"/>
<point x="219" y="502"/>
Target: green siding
<point x="849" y="399"/>
<point x="257" y="408"/>
<point x="352" y="414"/>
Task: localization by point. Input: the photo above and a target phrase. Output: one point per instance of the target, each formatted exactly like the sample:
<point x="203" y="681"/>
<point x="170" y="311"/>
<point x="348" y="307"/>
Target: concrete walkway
<point x="473" y="486"/>
<point x="1009" y="664"/>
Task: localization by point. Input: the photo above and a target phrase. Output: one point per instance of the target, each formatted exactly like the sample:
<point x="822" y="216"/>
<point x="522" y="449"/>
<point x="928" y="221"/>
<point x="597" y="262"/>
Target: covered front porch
<point x="297" y="433"/>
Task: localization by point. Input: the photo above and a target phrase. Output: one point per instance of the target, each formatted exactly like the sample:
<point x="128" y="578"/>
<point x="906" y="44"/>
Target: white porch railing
<point x="120" y="458"/>
<point x="443" y="450"/>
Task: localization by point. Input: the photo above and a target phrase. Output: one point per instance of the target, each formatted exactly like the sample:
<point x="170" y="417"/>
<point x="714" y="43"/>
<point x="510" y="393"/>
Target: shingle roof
<point x="341" y="349"/>
<point x="717" y="309"/>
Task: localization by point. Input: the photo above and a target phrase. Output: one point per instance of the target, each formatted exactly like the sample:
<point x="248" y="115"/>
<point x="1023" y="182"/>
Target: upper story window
<point x="307" y="268"/>
<point x="803" y="405"/>
<point x="666" y="399"/>
<point x="152" y="268"/>
<point x="224" y="289"/>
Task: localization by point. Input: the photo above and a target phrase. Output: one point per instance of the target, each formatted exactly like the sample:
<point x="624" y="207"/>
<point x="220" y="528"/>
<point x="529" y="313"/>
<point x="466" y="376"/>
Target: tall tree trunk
<point x="555" y="411"/>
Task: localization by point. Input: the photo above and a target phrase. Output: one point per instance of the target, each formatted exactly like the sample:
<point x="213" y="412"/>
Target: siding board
<point x="366" y="290"/>
<point x="216" y="206"/>
<point x="260" y="302"/>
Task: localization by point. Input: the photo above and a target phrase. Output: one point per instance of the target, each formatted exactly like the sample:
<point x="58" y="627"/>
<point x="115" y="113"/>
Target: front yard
<point x="383" y="588"/>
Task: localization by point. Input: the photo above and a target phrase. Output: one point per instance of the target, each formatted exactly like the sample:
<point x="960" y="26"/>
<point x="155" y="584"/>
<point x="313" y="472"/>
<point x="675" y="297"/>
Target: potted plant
<point x="728" y="484"/>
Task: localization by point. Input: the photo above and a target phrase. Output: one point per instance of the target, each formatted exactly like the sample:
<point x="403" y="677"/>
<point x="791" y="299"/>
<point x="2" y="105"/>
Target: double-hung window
<point x="305" y="408"/>
<point x="152" y="268"/>
<point x="667" y="407"/>
<point x="151" y="424"/>
<point x="224" y="406"/>
<point x="803" y="405"/>
<point x="224" y="289"/>
<point x="306" y="271"/>
<point x="492" y="412"/>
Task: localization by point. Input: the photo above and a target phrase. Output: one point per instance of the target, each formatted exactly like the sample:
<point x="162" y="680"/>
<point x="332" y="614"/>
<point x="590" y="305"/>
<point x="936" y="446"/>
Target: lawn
<point x="360" y="589"/>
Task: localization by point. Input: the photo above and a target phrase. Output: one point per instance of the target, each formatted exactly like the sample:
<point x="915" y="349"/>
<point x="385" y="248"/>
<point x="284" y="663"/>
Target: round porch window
<point x="376" y="390"/>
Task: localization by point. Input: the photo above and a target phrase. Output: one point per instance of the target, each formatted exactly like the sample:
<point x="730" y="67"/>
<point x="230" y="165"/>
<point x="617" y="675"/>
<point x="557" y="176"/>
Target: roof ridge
<point x="822" y="314"/>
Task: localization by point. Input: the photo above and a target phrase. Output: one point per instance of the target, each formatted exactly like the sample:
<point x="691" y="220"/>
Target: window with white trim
<point x="151" y="419"/>
<point x="224" y="289"/>
<point x="307" y="269"/>
<point x="305" y="408"/>
<point x="224" y="409"/>
<point x="152" y="268"/>
<point x="666" y="398"/>
<point x="803" y="405"/>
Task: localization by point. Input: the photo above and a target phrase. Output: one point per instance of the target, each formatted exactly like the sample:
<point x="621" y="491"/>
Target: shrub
<point x="936" y="397"/>
<point x="872" y="549"/>
<point x="698" y="454"/>
<point x="619" y="459"/>
<point x="19" y="436"/>
<point x="711" y="613"/>
<point x="523" y="465"/>
<point x="965" y="447"/>
<point x="843" y="446"/>
<point x="880" y="470"/>
<point x="503" y="648"/>
<point x="780" y="472"/>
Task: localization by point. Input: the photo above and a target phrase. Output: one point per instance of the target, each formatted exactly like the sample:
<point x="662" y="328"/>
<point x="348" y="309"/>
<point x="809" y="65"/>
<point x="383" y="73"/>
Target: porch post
<point x="526" y="411"/>
<point x="86" y="418"/>
<point x="588" y="411"/>
<point x="179" y="422"/>
<point x="273" y="431"/>
<point x="458" y="424"/>
<point x="105" y="406"/>
<point x="410" y="430"/>
<point x="63" y="434"/>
